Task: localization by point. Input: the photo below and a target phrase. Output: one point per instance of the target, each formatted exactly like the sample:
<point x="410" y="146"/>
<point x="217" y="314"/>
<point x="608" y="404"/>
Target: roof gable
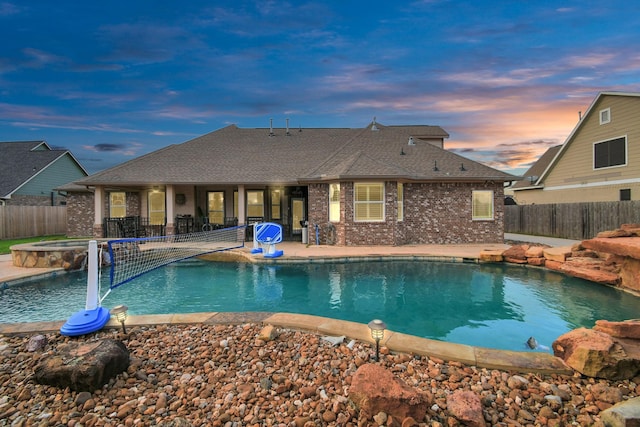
<point x="533" y="173"/>
<point x="590" y="114"/>
<point x="22" y="161"/>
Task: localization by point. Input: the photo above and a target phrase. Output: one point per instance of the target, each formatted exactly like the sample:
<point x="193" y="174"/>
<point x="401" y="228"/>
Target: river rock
<point x="83" y="366"/>
<point x="36" y="343"/>
<point x="466" y="406"/>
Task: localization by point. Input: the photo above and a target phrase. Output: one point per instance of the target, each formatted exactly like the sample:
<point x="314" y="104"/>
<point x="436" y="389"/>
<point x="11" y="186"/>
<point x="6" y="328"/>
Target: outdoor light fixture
<point x="377" y="328"/>
<point x="120" y="312"/>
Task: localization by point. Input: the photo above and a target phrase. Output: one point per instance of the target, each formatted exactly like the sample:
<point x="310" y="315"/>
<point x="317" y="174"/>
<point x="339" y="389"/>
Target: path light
<point x="377" y="328"/>
<point x="120" y="311"/>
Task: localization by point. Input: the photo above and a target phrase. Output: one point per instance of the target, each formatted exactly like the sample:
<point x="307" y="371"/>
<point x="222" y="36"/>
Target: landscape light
<point x="120" y="312"/>
<point x="377" y="328"/>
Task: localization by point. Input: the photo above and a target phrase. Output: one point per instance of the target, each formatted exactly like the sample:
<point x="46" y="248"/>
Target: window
<point x="255" y="203"/>
<point x="625" y="194"/>
<point x="118" y="204"/>
<point x="400" y="202"/>
<point x="215" y="207"/>
<point x="610" y="153"/>
<point x="334" y="202"/>
<point x="156" y="208"/>
<point x="482" y="208"/>
<point x="605" y="116"/>
<point x="369" y="202"/>
<point x="276" y="196"/>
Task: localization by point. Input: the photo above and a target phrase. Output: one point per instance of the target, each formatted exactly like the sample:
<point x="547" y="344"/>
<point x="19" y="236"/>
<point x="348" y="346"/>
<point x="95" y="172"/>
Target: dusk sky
<point x="112" y="80"/>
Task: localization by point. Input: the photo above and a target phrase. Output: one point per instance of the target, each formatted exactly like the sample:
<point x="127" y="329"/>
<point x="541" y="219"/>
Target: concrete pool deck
<point x="525" y="361"/>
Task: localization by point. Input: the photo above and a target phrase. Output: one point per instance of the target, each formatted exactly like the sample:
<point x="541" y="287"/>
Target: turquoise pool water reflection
<point x="489" y="305"/>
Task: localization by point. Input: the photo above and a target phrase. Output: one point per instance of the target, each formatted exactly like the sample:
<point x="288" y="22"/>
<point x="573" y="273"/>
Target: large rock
<point x="375" y="389"/>
<point x="630" y="274"/>
<point x="559" y="253"/>
<point x="624" y="246"/>
<point x="83" y="366"/>
<point x="590" y="269"/>
<point x="627" y="329"/>
<point x="596" y="354"/>
<point x="466" y="407"/>
<point x="623" y="414"/>
<point x="516" y="254"/>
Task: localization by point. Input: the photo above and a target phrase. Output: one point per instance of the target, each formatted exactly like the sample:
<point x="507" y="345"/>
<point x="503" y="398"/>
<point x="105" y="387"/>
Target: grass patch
<point x="6" y="244"/>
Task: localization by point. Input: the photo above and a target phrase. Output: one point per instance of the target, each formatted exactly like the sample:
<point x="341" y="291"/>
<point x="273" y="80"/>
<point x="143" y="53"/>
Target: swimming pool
<point x="489" y="305"/>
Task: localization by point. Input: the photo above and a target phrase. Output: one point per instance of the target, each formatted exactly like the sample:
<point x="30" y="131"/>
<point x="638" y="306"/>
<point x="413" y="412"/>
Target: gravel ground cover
<point x="223" y="375"/>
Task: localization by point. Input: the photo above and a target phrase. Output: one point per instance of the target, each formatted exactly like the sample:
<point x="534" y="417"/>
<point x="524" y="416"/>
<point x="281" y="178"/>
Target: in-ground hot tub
<point x="67" y="254"/>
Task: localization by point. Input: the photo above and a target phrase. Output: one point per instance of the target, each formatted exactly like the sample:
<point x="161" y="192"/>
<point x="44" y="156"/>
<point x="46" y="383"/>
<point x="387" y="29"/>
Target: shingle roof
<point x="535" y="171"/>
<point x="22" y="160"/>
<point x="233" y="155"/>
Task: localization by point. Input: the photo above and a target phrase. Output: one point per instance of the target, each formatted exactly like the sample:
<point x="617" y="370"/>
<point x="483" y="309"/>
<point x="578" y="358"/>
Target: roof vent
<point x="288" y="133"/>
<point x="462" y="167"/>
<point x="271" y="127"/>
<point x="411" y="141"/>
<point x="373" y="126"/>
<point x="435" y="166"/>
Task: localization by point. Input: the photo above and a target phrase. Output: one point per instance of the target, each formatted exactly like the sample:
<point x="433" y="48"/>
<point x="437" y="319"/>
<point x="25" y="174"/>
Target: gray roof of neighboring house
<point x="20" y="161"/>
<point x="234" y="155"/>
<point x="532" y="174"/>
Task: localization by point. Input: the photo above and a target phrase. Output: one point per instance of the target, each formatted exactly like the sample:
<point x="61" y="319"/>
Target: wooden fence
<point x="577" y="221"/>
<point x="30" y="221"/>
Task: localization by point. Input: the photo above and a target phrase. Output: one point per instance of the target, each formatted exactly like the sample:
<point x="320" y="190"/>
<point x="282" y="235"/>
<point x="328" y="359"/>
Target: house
<point x="378" y="185"/>
<point x="599" y="161"/>
<point x="30" y="171"/>
<point x="533" y="173"/>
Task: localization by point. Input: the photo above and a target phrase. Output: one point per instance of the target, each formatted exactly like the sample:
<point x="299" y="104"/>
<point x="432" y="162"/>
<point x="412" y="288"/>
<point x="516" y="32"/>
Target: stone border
<point x="536" y="362"/>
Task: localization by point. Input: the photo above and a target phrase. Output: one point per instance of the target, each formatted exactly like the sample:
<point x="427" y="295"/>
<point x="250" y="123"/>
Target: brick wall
<point x="318" y="211"/>
<point x="440" y="213"/>
<point x="80" y="211"/>
<point x="434" y="213"/>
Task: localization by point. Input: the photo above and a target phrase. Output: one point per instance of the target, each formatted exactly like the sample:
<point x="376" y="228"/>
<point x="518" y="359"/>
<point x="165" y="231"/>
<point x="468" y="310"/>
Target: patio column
<point x="242" y="216"/>
<point x="170" y="203"/>
<point x="98" y="211"/>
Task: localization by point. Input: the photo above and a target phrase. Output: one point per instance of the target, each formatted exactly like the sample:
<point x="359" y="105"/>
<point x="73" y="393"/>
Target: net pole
<point x="93" y="297"/>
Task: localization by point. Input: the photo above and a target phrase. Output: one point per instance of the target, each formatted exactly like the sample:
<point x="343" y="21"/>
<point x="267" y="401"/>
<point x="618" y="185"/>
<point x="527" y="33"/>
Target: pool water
<point x="489" y="305"/>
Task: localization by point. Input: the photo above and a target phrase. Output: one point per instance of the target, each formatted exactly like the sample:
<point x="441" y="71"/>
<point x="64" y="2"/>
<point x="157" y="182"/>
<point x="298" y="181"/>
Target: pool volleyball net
<point x="131" y="258"/>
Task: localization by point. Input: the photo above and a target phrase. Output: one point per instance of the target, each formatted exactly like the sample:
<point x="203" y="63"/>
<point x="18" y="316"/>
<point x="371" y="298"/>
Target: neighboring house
<point x="379" y="185"/>
<point x="599" y="161"/>
<point x="532" y="174"/>
<point x="30" y="171"/>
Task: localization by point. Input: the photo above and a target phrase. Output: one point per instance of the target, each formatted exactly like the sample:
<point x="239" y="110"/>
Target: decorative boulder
<point x="625" y="413"/>
<point x="375" y="389"/>
<point x="625" y="329"/>
<point x="83" y="366"/>
<point x="599" y="355"/>
<point x="516" y="254"/>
